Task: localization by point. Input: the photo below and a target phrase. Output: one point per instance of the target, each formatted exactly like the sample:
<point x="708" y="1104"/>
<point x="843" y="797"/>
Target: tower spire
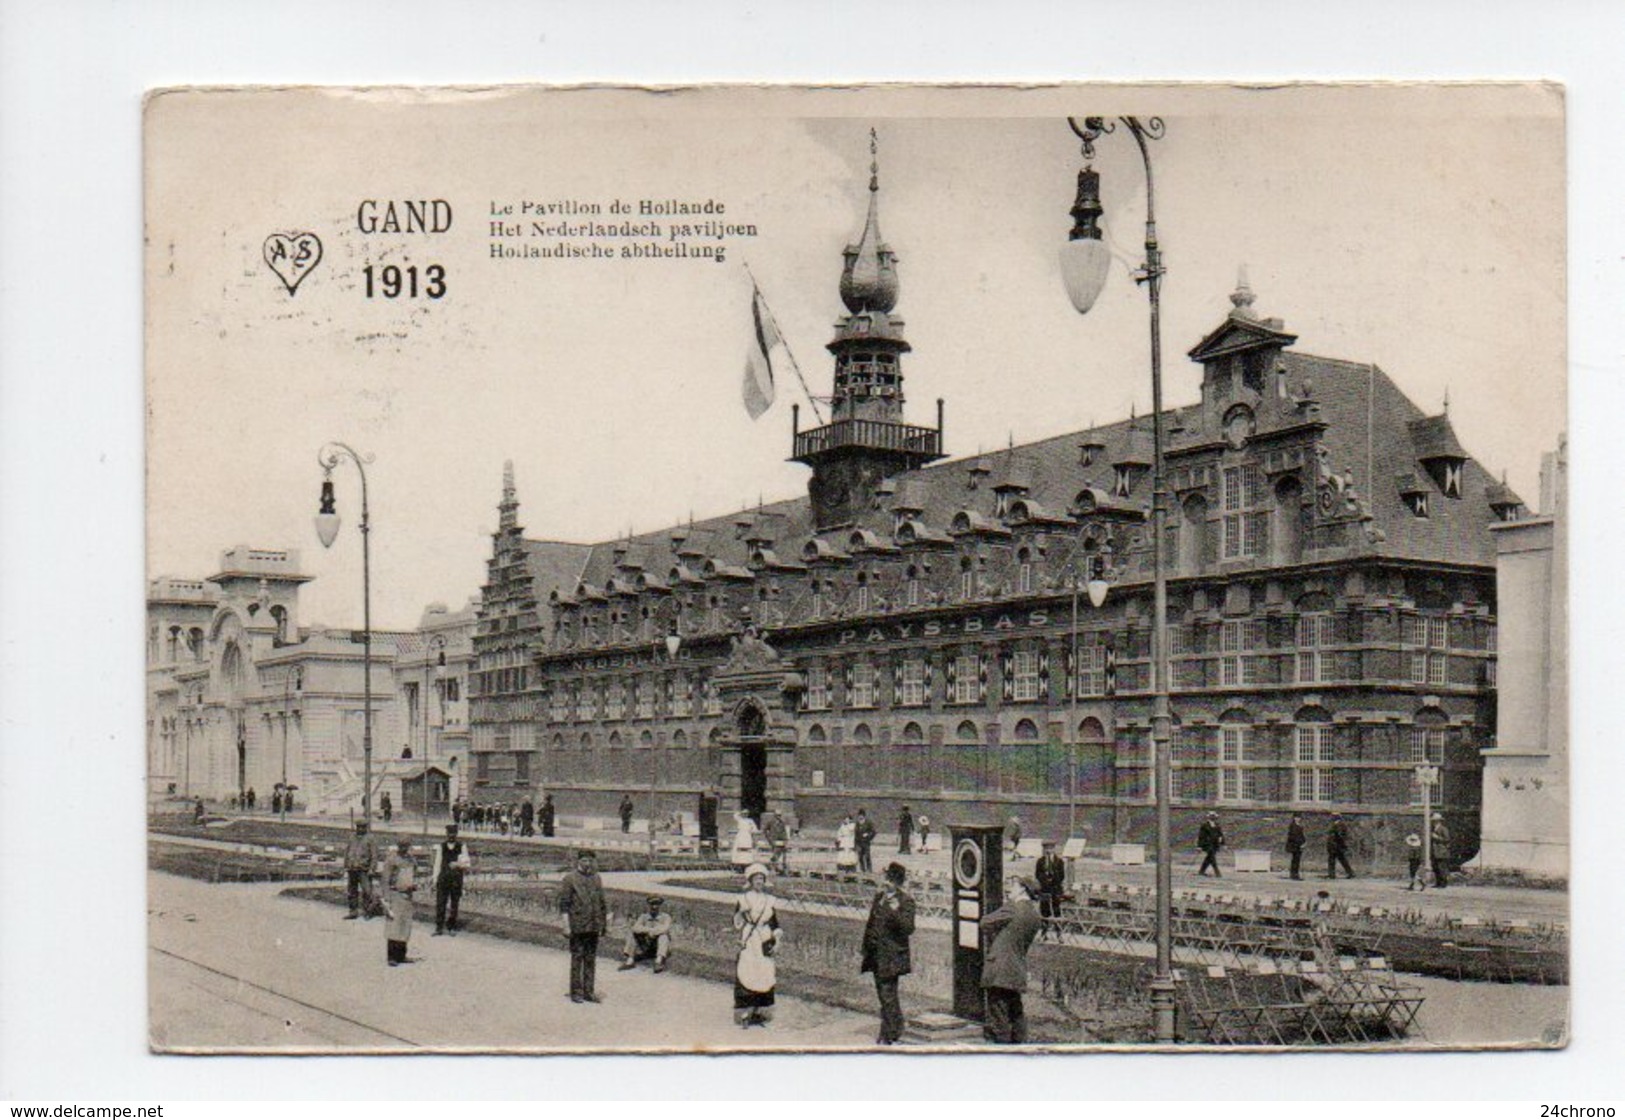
<point x="509" y="507"/>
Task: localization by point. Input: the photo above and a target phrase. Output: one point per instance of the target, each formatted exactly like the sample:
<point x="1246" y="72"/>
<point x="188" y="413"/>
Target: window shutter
<point x="981" y="676"/>
<point x="1111" y="671"/>
<point x="1043" y="674"/>
<point x="930" y="680"/>
<point x="846" y="676"/>
<point x="894" y="670"/>
<point x="1071" y="660"/>
<point x="1007" y="675"/>
<point x="951" y="675"/>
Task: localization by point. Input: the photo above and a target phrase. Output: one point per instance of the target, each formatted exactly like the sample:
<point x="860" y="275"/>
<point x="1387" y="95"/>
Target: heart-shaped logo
<point x="292" y="256"/>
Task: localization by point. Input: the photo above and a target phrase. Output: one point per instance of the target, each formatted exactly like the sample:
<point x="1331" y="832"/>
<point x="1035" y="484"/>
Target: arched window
<point x="715" y="737"/>
<point x="615" y="740"/>
<point x="862" y="734"/>
<point x="586" y="740"/>
<point x="1237" y="782"/>
<point x="679" y="738"/>
<point x="1193" y="549"/>
<point x="966" y="732"/>
<point x="1026" y="731"/>
<point x="645" y="739"/>
<point x="816" y="734"/>
<point x="194" y="643"/>
<point x="913" y="733"/>
<point x="1312" y="755"/>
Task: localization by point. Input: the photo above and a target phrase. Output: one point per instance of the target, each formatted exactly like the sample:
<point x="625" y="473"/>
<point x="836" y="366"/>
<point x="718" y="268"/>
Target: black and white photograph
<point x="796" y="569"/>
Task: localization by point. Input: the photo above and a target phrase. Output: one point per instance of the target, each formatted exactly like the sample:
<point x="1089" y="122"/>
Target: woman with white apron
<point x="744" y="849"/>
<point x="400" y="881"/>
<point x="846" y="844"/>
<point x="755" y="975"/>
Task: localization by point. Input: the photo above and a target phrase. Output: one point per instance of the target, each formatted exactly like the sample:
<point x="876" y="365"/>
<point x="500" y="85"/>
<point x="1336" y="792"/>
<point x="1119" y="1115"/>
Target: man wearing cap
<point x="581" y="899"/>
<point x="886" y="952"/>
<point x="1012" y="928"/>
<point x="1050" y="874"/>
<point x="1439" y="843"/>
<point x="451" y="862"/>
<point x="1210" y="838"/>
<point x="360" y="857"/>
<point x="648" y="938"/>
<point x="400" y="876"/>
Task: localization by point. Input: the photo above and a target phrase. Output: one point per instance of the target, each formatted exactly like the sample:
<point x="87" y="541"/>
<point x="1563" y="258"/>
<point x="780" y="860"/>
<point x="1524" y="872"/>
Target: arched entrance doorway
<point x="751" y="727"/>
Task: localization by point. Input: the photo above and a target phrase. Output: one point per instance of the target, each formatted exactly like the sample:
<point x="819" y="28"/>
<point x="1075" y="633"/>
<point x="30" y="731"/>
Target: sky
<point x="1420" y="228"/>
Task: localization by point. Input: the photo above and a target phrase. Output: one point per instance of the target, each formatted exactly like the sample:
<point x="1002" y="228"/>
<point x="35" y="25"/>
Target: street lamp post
<point x="1084" y="260"/>
<point x="674" y="642"/>
<point x="327" y="530"/>
<point x="1097" y="588"/>
<point x="1426" y="776"/>
<point x="436" y="646"/>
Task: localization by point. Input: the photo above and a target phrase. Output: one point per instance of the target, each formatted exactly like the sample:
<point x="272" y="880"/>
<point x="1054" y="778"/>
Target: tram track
<point x="392" y="1040"/>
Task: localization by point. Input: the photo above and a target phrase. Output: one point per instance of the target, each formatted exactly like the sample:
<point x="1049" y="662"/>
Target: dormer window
<point x="1122" y="480"/>
<point x="863" y="593"/>
<point x="1024" y="573"/>
<point x="913" y="591"/>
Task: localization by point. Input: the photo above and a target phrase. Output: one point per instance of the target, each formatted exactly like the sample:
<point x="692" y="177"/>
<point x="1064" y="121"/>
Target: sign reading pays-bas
<point x="936" y="628"/>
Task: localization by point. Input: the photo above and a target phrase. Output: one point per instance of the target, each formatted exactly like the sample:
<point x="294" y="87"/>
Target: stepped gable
<point x="553" y="566"/>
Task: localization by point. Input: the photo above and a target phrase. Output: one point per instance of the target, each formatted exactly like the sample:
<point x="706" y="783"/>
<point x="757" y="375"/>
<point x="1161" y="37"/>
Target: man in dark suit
<point x="1337" y="847"/>
<point x="1210" y="838"/>
<point x="863" y="839"/>
<point x="1012" y="928"/>
<point x="1051" y="876"/>
<point x="905" y="831"/>
<point x="1295" y="839"/>
<point x="581" y="899"/>
<point x="549" y="814"/>
<point x="885" y="950"/>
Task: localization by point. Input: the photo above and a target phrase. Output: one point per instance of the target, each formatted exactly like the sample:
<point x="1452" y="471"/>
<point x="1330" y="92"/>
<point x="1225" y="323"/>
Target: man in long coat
<point x="1012" y="928"/>
<point x="549" y="814"/>
<point x="1210" y="838"/>
<point x="886" y="952"/>
<point x="1295" y="839"/>
<point x="1050" y="872"/>
<point x="581" y="899"/>
<point x="1337" y="847"/>
<point x="1439" y="851"/>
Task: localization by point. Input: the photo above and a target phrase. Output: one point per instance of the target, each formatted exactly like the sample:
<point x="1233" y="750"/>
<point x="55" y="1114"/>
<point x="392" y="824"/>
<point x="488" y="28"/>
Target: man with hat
<point x="1439" y="845"/>
<point x="1050" y="874"/>
<point x="581" y="899"/>
<point x="451" y="862"/>
<point x="400" y="876"/>
<point x="1337" y="847"/>
<point x="1012" y="928"/>
<point x="360" y="857"/>
<point x="886" y="952"/>
<point x="1210" y="838"/>
<point x="648" y="938"/>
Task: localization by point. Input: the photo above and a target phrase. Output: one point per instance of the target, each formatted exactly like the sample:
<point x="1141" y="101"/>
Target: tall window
<point x="913" y="587"/>
<point x="1245" y="527"/>
<point x="1024" y="575"/>
<point x="967" y="669"/>
<point x="583" y="703"/>
<point x="1427" y="745"/>
<point x="615" y="706"/>
<point x="863" y="685"/>
<point x="1236" y="782"/>
<point x="1024" y="668"/>
<point x="644" y="698"/>
<point x="863" y="594"/>
<point x="967" y="579"/>
<point x="817" y="688"/>
<point x="818" y="598"/>
<point x="911" y="691"/>
<point x="557" y="705"/>
<point x="1314" y="661"/>
<point x="1428" y="639"/>
<point x="682" y="701"/>
<point x="710" y="698"/>
<point x="1091" y="669"/>
<point x="1314" y="774"/>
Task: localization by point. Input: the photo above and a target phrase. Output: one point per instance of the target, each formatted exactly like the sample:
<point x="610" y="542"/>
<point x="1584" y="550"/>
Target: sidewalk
<point x="276" y="973"/>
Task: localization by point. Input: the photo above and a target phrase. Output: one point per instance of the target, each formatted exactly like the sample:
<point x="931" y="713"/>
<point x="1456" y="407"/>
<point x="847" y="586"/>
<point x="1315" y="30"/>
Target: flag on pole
<point x="758" y="387"/>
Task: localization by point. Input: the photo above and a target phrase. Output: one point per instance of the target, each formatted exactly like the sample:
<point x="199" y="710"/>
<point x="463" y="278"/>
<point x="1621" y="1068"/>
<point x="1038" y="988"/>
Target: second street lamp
<point x="327" y="530"/>
<point x="1084" y="263"/>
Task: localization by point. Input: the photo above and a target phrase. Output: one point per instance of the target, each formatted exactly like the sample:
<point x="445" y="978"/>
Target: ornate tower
<point x="865" y="441"/>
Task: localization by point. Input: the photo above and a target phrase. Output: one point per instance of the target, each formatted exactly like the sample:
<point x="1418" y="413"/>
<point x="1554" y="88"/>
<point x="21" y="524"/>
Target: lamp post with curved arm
<point x="1084" y="261"/>
<point x="327" y="530"/>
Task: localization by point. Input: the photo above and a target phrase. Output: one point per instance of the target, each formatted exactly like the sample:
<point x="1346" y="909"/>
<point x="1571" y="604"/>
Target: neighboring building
<point x="430" y="694"/>
<point x="241" y="696"/>
<point x="1331" y="610"/>
<point x="1526" y="771"/>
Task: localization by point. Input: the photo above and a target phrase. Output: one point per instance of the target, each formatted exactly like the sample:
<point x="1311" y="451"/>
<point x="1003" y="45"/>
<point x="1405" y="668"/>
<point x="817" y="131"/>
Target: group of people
<point x="384" y="887"/>
<point x="586" y="916"/>
<point x="1210" y="840"/>
<point x="519" y="818"/>
<point x="855" y="838"/>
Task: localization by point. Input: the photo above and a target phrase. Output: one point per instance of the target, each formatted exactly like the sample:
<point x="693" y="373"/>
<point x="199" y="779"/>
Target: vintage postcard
<point x="767" y="568"/>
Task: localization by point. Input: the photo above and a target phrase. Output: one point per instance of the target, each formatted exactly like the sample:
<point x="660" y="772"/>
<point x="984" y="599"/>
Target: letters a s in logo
<point x="292" y="256"/>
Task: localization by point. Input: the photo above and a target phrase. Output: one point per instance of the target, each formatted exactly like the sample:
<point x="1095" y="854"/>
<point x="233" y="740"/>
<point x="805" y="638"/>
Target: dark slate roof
<point x="555" y="566"/>
<point x="1371" y="431"/>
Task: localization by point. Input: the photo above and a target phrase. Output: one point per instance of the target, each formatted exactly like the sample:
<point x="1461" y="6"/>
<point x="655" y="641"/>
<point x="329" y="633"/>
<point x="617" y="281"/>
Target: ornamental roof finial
<point x="869" y="280"/>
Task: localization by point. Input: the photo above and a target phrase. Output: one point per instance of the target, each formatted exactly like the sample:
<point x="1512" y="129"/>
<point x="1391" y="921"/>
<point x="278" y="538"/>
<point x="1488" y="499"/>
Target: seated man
<point x="649" y="937"/>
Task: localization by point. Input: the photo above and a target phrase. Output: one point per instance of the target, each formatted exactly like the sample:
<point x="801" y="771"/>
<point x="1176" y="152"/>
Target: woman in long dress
<point x="846" y="844"/>
<point x="755" y="975"/>
<point x="744" y="849"/>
